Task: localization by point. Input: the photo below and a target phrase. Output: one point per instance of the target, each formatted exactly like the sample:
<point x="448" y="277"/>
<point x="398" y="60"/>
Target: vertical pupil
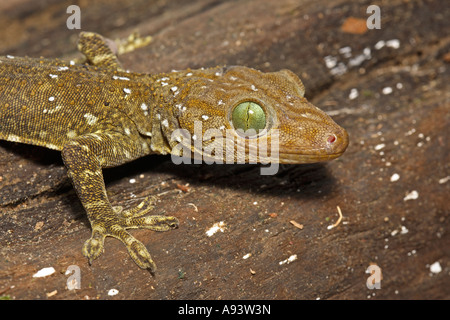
<point x="249" y="115"/>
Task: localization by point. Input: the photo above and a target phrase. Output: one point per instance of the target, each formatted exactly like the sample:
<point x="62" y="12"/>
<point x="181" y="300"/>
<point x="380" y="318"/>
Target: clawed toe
<point x="93" y="247"/>
<point x="114" y="224"/>
<point x="141" y="256"/>
<point x="155" y="223"/>
<point x="141" y="209"/>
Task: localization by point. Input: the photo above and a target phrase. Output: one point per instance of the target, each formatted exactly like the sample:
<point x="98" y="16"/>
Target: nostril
<point x="331" y="138"/>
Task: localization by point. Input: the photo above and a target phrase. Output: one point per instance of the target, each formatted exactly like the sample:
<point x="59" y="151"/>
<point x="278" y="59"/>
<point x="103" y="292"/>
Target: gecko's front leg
<point x="84" y="157"/>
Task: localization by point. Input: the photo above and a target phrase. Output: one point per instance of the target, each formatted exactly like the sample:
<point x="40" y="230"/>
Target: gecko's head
<point x="241" y="110"/>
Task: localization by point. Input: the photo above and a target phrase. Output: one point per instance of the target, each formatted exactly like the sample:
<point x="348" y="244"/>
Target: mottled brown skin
<point x="100" y="116"/>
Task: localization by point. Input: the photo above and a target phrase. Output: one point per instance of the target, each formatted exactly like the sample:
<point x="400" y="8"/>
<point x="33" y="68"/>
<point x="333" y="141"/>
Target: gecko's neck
<point x="164" y="98"/>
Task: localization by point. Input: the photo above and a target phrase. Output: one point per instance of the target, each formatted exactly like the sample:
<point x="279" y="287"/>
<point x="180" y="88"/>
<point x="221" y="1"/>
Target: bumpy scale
<point x="100" y="116"/>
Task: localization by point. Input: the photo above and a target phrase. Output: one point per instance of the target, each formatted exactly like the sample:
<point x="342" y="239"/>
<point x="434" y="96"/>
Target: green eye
<point x="249" y="116"/>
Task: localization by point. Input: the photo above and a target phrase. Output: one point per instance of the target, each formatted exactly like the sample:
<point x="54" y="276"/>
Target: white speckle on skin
<point x="121" y="78"/>
<point x="164" y="84"/>
<point x="220" y="102"/>
<point x="413" y="195"/>
<point x="10" y="56"/>
<point x="126" y="90"/>
<point x="53" y="76"/>
<point x="174" y="88"/>
<point x="13" y="138"/>
<point x="254" y="88"/>
<point x="132" y="181"/>
<point x="188" y="74"/>
<point x="127" y="131"/>
<point x="144" y="107"/>
<point x="50" y="111"/>
<point x="395" y="177"/>
<point x="90" y="119"/>
<point x="63" y="68"/>
<point x="51" y="99"/>
<point x="248" y="255"/>
<point x="72" y="63"/>
<point x="52" y="146"/>
<point x="44" y="272"/>
<point x="71" y="134"/>
<point x="379" y="146"/>
<point x="205" y="117"/>
<point x="221" y="127"/>
<point x="165" y="123"/>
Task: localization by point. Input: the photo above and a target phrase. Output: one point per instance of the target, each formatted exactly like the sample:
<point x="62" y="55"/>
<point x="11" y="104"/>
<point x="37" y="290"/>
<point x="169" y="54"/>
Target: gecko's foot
<point x="132" y="42"/>
<point x="116" y="226"/>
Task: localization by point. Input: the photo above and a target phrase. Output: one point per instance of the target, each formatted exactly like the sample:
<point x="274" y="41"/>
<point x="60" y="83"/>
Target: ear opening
<point x="225" y="69"/>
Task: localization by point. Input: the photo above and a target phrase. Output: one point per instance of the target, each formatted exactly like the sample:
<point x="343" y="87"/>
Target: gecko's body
<point x="99" y="116"/>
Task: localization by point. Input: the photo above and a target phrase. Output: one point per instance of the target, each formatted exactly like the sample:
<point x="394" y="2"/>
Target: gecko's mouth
<point x="334" y="146"/>
<point x="331" y="146"/>
<point x="293" y="158"/>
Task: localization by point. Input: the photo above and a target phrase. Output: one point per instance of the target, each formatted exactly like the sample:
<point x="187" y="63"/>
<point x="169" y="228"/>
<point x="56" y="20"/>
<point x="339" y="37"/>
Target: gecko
<point x="100" y="116"/>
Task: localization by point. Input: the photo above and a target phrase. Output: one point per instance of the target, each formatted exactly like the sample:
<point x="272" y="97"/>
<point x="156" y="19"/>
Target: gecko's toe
<point x="141" y="209"/>
<point x="141" y="256"/>
<point x="93" y="247"/>
<point x="155" y="223"/>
